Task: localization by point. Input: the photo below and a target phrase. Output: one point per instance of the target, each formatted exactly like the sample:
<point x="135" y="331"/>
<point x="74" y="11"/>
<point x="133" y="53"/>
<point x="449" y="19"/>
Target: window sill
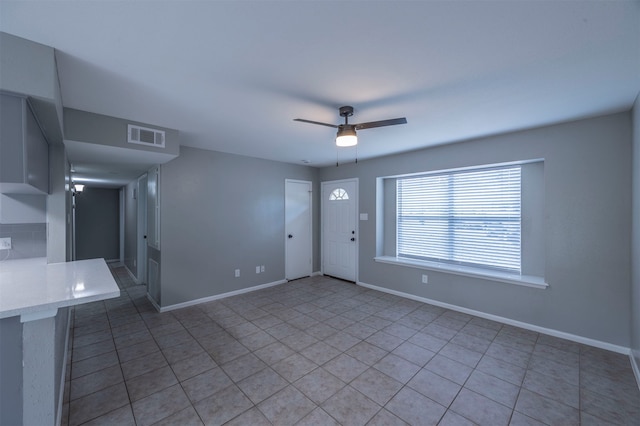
<point x="467" y="271"/>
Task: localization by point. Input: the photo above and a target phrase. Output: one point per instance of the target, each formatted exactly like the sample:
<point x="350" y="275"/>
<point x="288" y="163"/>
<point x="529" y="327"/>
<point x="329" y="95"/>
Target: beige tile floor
<point x="319" y="351"/>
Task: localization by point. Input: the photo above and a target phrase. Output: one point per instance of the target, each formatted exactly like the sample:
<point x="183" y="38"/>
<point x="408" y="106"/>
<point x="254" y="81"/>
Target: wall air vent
<point x="145" y="136"/>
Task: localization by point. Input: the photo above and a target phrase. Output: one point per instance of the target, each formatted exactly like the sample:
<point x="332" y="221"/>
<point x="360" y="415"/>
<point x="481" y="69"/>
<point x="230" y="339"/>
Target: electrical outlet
<point x="425" y="279"/>
<point x="5" y="243"/>
<point x="257" y="269"/>
<point x="237" y="273"/>
<point x="261" y="268"/>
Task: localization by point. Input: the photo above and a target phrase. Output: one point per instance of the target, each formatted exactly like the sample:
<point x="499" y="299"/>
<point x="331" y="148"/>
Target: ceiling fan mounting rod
<point x="346" y="112"/>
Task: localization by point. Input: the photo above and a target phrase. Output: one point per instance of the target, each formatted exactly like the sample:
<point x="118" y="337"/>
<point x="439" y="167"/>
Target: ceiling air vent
<point x="145" y="136"/>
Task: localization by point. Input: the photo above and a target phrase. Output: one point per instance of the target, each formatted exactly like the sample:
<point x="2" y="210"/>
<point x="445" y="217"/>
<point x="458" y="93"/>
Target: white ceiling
<point x="232" y="75"/>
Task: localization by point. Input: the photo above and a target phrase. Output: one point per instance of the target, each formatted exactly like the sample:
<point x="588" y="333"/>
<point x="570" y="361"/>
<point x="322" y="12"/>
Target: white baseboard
<point x="131" y="275"/>
<point x="153" y="302"/>
<point x="215" y="297"/>
<point x="634" y="355"/>
<point x="503" y="320"/>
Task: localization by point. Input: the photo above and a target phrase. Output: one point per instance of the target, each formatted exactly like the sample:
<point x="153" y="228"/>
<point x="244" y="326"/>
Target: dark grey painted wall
<point x="98" y="223"/>
<point x="587" y="173"/>
<point x="221" y="212"/>
<point x="635" y="248"/>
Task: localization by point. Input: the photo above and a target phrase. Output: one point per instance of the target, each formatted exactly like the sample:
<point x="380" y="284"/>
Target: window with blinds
<point x="464" y="217"/>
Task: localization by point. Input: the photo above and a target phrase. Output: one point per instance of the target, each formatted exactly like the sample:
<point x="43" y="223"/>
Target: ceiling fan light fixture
<point x="346" y="136"/>
<point x="347" y="132"/>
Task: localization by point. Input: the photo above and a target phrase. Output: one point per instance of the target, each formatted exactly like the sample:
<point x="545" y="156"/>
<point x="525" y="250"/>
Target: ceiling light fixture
<point x="346" y="135"/>
<point x="347" y="132"/>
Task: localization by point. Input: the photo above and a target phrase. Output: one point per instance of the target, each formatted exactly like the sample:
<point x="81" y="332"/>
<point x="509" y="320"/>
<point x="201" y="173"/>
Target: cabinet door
<point x="11" y="137"/>
<point x="36" y="154"/>
<point x="24" y="151"/>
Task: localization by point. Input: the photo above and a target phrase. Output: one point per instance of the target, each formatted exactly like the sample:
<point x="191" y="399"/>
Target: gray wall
<point x="59" y="231"/>
<point x="23" y="219"/>
<point x="11" y="371"/>
<point x="221" y="212"/>
<point x="101" y="129"/>
<point x="98" y="224"/>
<point x="11" y="367"/>
<point x="587" y="172"/>
<point x="28" y="240"/>
<point x="635" y="247"/>
<point x="62" y="322"/>
<point x="29" y="68"/>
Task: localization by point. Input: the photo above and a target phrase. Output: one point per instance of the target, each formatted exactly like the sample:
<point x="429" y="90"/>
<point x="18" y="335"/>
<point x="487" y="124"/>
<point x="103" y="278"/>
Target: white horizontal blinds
<point x="469" y="218"/>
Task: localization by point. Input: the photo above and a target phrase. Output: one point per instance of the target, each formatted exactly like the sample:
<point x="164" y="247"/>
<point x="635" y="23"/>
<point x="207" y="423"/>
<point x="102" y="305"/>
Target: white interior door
<point x="339" y="233"/>
<point x="153" y="208"/>
<point x="298" y="253"/>
<point x="141" y="255"/>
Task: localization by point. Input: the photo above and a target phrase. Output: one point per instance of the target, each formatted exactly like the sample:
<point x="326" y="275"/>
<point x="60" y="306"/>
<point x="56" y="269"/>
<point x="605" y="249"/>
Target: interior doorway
<point x="298" y="229"/>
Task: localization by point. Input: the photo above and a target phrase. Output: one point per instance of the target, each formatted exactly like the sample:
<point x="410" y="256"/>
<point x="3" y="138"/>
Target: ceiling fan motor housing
<point x="346" y="111"/>
<point x="347" y="130"/>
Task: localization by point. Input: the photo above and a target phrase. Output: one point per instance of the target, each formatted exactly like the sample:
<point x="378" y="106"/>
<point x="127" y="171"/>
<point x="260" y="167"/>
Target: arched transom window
<point x="338" y="194"/>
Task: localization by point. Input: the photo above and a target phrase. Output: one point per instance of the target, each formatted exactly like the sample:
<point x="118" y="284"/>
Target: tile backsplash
<point x="27" y="240"/>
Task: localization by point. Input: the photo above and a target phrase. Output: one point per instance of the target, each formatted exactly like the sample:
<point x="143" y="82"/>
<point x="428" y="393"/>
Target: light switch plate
<point x="5" y="243"/>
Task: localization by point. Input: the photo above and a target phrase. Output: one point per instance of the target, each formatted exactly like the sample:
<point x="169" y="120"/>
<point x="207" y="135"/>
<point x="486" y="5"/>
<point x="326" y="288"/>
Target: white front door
<point x="297" y="213"/>
<point x="339" y="233"/>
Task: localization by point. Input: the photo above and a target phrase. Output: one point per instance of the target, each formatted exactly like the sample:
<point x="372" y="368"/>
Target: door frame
<point x="310" y="230"/>
<point x="356" y="214"/>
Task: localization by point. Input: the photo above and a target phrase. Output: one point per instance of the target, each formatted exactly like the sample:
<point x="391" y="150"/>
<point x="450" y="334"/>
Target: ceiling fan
<point x="347" y="132"/>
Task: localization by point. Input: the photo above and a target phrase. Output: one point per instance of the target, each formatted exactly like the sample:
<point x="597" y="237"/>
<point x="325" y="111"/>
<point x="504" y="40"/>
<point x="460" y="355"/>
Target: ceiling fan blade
<point x="381" y="123"/>
<point x="315" y="122"/>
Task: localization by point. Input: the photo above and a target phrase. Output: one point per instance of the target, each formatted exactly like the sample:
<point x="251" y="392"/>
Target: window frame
<point x="445" y="207"/>
<point x="532" y="231"/>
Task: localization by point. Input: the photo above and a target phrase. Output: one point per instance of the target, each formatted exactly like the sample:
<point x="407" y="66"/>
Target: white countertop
<point x="29" y="286"/>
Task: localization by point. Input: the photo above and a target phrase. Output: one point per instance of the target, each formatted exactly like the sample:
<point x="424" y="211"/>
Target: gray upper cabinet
<point x="24" y="151"/>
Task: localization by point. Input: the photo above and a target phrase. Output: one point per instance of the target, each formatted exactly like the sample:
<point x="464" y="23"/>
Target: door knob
<point x="353" y="238"/>
<point x="290" y="236"/>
